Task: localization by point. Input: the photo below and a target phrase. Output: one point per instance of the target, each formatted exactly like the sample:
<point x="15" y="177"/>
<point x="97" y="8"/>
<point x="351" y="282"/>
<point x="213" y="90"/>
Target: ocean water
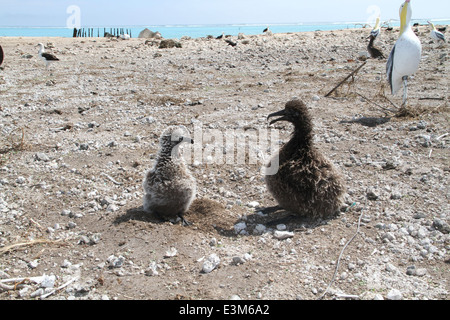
<point x="193" y="31"/>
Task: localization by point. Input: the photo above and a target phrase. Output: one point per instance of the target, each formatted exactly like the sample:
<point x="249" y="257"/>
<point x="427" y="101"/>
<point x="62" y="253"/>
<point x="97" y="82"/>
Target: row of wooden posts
<point x="90" y="32"/>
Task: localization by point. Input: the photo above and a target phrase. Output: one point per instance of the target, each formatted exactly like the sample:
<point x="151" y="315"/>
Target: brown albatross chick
<point x="306" y="182"/>
<point x="374" y="51"/>
<point x="1" y="55"/>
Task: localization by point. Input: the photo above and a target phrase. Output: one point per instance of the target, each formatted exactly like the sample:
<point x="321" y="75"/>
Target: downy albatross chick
<point x="306" y="182"/>
<point x="374" y="51"/>
<point x="169" y="186"/>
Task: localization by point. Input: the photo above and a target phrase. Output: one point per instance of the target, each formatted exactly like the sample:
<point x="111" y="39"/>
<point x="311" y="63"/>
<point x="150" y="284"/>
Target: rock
<point x="71" y="225"/>
<point x="238" y="260"/>
<point x="281" y="235"/>
<point x="411" y="270"/>
<point x="169" y="43"/>
<point x="41" y="157"/>
<point x="37" y="293"/>
<point x="390" y="268"/>
<point x="66" y="264"/>
<point x="84" y="146"/>
<point x="394" y="294"/>
<point x="48" y="281"/>
<point x="259" y="229"/>
<point x="20" y="180"/>
<point x="253" y="204"/>
<point x="115" y="262"/>
<point x="172" y="252"/>
<point x="152" y="269"/>
<point x="148" y="34"/>
<point x="371" y="194"/>
<point x="240" y="227"/>
<point x="421" y="272"/>
<point x="441" y="225"/>
<point x="33" y="264"/>
<point x="210" y="263"/>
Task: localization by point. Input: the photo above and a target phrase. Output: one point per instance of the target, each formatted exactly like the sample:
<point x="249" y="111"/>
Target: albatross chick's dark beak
<point x="281" y="113"/>
<point x="186" y="139"/>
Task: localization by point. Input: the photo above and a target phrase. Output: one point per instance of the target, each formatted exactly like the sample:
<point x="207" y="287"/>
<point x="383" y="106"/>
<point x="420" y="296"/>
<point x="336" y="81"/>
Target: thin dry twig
<point x="379" y="106"/>
<point x="342" y="251"/>
<point x="59" y="288"/>
<point x="112" y="179"/>
<point x="28" y="243"/>
<point x="350" y="75"/>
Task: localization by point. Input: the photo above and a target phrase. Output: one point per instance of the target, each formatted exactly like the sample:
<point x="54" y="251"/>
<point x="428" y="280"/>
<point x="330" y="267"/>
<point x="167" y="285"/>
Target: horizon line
<point x="231" y="24"/>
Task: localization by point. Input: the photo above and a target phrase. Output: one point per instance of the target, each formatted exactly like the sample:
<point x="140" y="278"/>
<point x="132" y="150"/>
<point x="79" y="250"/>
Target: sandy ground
<point x="77" y="139"/>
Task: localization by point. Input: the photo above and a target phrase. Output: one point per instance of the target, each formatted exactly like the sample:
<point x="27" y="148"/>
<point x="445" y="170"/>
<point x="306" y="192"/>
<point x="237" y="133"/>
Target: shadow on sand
<point x="368" y="121"/>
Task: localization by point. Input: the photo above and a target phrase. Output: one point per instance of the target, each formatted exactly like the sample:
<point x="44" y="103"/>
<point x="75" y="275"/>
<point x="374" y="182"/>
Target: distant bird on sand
<point x="46" y="57"/>
<point x="266" y="29"/>
<point x="374" y="51"/>
<point x="376" y="29"/>
<point x="435" y="34"/>
<point x="221" y="36"/>
<point x="405" y="56"/>
<point x="306" y="182"/>
<point x="231" y="43"/>
<point x="1" y="55"/>
<point x="169" y="186"/>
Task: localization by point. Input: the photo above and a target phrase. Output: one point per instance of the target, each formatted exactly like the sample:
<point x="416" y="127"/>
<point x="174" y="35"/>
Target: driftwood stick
<point x="350" y="75"/>
<point x="29" y="243"/>
<point x="59" y="288"/>
<point x="431" y="98"/>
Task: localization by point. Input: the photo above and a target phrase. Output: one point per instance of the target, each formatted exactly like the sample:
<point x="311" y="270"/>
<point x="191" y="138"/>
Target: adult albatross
<point x="376" y="29"/>
<point x="434" y="34"/>
<point x="405" y="55"/>
<point x="45" y="56"/>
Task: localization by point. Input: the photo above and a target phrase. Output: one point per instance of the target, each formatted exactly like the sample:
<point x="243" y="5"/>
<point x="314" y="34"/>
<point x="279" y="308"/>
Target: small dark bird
<point x="221" y="36"/>
<point x="266" y="29"/>
<point x="169" y="186"/>
<point x="306" y="182"/>
<point x="374" y="51"/>
<point x="231" y="43"/>
<point x="46" y="57"/>
<point x="1" y="55"/>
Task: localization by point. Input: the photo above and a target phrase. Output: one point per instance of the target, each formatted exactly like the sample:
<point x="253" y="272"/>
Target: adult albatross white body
<point x="436" y="35"/>
<point x="405" y="55"/>
<point x="45" y="56"/>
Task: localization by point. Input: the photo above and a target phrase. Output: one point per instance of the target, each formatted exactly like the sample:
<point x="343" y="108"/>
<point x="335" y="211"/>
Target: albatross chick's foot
<point x="184" y="222"/>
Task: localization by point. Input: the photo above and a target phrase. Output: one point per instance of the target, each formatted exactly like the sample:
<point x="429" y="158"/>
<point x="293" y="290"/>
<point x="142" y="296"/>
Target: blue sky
<point x="167" y="12"/>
